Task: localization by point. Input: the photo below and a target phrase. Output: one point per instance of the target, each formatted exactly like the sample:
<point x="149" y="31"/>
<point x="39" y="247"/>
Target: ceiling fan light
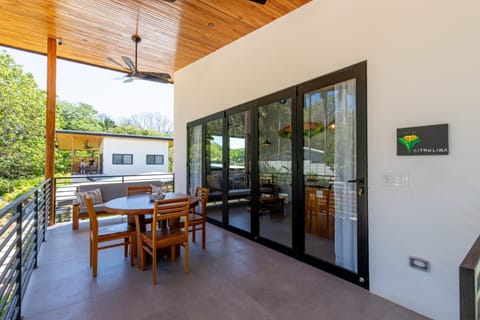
<point x="267" y="143"/>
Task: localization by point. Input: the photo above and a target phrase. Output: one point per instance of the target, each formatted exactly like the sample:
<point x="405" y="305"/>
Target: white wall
<point x="423" y="68"/>
<point x="139" y="149"/>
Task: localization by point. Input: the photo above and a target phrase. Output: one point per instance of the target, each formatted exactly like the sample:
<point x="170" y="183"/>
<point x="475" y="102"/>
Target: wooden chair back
<point x="107" y="234"/>
<point x="166" y="214"/>
<point x="316" y="211"/>
<point x="170" y="211"/>
<point x="131" y="191"/>
<point x="202" y="194"/>
<point x="92" y="215"/>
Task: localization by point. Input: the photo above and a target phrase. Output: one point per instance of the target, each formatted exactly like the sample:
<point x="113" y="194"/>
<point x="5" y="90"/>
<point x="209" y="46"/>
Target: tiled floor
<point x="233" y="278"/>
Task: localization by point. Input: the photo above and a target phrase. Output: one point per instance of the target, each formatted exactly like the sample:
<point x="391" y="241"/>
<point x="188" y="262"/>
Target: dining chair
<point x="121" y="231"/>
<point x="166" y="213"/>
<point x="133" y="191"/>
<point x="198" y="216"/>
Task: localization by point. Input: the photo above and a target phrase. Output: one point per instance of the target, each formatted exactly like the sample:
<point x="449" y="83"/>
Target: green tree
<point x="22" y="121"/>
<point x="78" y="117"/>
<point x="107" y="124"/>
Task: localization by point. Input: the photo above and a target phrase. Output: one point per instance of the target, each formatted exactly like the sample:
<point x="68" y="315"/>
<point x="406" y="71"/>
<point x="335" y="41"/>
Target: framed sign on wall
<point x="424" y="140"/>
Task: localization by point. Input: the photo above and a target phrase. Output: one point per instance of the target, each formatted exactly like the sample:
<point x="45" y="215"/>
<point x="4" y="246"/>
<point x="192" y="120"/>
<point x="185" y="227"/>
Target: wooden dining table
<point x="138" y="206"/>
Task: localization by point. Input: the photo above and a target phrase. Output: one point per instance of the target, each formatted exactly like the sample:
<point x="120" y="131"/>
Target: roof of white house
<point x="84" y="140"/>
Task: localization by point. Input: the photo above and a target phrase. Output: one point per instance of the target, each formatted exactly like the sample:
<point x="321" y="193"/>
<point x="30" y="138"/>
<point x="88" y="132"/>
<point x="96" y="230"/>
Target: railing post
<point x="52" y="201"/>
<point x="37" y="228"/>
<point x="19" y="247"/>
<point x="48" y="205"/>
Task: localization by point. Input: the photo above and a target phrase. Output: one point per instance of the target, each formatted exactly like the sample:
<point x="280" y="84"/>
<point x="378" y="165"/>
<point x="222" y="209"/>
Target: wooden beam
<point x="50" y="120"/>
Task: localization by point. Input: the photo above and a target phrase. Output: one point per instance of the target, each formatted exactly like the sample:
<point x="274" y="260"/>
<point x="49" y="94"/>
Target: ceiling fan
<point x="87" y="146"/>
<point x="134" y="73"/>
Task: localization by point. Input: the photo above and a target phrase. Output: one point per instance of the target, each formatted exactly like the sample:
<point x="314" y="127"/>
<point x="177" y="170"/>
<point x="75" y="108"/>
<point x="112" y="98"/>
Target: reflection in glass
<point x="214" y="165"/>
<point x="239" y="184"/>
<point x="329" y="162"/>
<point x="275" y="163"/>
<point x="195" y="157"/>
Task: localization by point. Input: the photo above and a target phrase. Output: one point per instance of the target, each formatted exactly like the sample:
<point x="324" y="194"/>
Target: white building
<point x="117" y="154"/>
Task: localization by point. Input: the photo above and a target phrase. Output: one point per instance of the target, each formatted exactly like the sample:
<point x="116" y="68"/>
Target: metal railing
<point x="65" y="188"/>
<point x="23" y="225"/>
<point x="470" y="284"/>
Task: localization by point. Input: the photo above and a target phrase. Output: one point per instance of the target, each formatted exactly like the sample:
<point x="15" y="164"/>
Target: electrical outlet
<point x="419" y="263"/>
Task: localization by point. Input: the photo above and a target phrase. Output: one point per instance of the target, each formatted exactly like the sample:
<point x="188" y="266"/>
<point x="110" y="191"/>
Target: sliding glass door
<point x="289" y="170"/>
<point x="195" y="147"/>
<point x="239" y="170"/>
<point x="275" y="171"/>
<point x="214" y="167"/>
<point x="334" y="173"/>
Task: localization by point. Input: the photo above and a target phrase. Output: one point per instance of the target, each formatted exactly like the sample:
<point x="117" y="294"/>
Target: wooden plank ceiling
<point x="174" y="34"/>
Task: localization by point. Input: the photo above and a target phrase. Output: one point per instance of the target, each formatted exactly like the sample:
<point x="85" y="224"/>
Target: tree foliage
<point x="22" y="121"/>
<point x="150" y="121"/>
<point x="78" y="117"/>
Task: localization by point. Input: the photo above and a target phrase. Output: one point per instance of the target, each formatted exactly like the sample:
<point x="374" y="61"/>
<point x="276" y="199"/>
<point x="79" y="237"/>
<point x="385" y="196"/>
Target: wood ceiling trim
<point x="173" y="34"/>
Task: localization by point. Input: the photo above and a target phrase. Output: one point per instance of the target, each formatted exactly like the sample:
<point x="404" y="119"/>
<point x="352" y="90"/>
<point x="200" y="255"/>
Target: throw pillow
<point x="95" y="195"/>
<point x="214" y="182"/>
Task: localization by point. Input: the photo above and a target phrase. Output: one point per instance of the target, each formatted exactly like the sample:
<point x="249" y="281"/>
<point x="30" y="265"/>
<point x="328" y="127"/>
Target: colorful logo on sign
<point x="409" y="141"/>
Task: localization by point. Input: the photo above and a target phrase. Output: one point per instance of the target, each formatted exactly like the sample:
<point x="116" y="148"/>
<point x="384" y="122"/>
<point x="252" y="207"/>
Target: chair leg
<point x="125" y="247"/>
<point x="193" y="233"/>
<point x="172" y="253"/>
<point x="132" y="249"/>
<point x="204" y="231"/>
<point x="154" y="265"/>
<point x="186" y="256"/>
<point x="142" y="259"/>
<point x="94" y="259"/>
<point x="91" y="254"/>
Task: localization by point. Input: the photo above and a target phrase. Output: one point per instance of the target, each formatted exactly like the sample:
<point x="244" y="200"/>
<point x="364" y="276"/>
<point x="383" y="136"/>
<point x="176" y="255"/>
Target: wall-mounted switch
<point x="396" y="180"/>
<point x="419" y="263"/>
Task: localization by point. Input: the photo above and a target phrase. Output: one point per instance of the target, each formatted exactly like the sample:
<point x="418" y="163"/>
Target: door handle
<point x="358" y="180"/>
<point x="361" y="185"/>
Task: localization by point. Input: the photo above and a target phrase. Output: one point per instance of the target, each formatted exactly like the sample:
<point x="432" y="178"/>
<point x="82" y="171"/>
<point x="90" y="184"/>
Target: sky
<point x="101" y="88"/>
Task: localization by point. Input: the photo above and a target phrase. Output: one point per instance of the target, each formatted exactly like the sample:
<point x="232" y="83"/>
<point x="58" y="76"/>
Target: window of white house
<point x="119" y="158"/>
<point x="154" y="159"/>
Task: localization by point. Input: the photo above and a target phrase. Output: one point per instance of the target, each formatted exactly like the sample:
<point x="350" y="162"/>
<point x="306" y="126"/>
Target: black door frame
<point x="358" y="72"/>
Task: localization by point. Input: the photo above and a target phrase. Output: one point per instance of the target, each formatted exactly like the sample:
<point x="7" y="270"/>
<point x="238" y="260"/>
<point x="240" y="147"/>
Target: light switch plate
<point x="396" y="180"/>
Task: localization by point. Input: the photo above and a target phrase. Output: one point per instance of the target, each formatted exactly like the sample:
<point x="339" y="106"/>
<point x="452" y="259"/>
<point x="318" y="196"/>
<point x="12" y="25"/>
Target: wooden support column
<point x="50" y="120"/>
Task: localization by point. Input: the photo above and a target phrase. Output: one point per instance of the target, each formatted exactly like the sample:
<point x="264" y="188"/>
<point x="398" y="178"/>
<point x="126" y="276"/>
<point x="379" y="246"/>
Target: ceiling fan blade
<point x="116" y="63"/>
<point x="129" y="63"/>
<point x="149" y="77"/>
<point x="128" y="79"/>
<point x="158" y="75"/>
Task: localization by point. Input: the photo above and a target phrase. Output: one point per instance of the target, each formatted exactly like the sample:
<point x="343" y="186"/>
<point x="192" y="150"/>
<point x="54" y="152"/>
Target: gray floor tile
<point x="234" y="278"/>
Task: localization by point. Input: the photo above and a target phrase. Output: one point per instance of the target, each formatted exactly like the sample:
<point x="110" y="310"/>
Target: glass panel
<point x="275" y="171"/>
<point x="214" y="165"/>
<point x="194" y="157"/>
<point x="329" y="162"/>
<point x="239" y="184"/>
